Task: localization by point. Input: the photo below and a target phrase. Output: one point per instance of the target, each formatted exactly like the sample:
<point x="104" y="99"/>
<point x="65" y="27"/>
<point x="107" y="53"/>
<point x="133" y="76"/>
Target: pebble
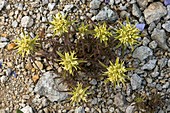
<point x="39" y="64"/>
<point x="130" y="109"/>
<point x="119" y="100"/>
<point x="142" y="53"/>
<point x="106" y="14"/>
<point x="14" y="23"/>
<point x="93" y="82"/>
<point x="27" y="109"/>
<point x="145" y="41"/>
<point x="2" y="45"/>
<point x="142" y="3"/>
<point x="3" y="39"/>
<point x="135" y="81"/>
<point x="51" y="6"/>
<point x="162" y="62"/>
<point x="80" y="110"/>
<point x="2" y="4"/>
<point x="3" y="79"/>
<point x="160" y="37"/>
<point x="166" y="85"/>
<point x="154" y="12"/>
<point x="8" y="71"/>
<point x="136" y="11"/>
<point x="95" y="4"/>
<point x="68" y="8"/>
<point x="27" y="21"/>
<point x="150" y="65"/>
<point x="153" y="44"/>
<point x="168" y="62"/>
<point x="166" y="26"/>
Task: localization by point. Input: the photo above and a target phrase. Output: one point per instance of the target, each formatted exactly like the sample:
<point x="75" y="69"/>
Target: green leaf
<point x="19" y="111"/>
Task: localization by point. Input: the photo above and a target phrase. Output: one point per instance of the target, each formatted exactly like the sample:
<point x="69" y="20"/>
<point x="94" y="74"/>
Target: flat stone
<point x="39" y="64"/>
<point x="48" y="85"/>
<point x="160" y="37"/>
<point x="2" y="45"/>
<point x="27" y="21"/>
<point x="119" y="100"/>
<point x="51" y="6"/>
<point x="95" y="4"/>
<point x="150" y="65"/>
<point x="142" y="53"/>
<point x="27" y="109"/>
<point x="136" y="11"/>
<point x="130" y="109"/>
<point x="166" y="26"/>
<point x="136" y="81"/>
<point x="106" y="14"/>
<point x="154" y="12"/>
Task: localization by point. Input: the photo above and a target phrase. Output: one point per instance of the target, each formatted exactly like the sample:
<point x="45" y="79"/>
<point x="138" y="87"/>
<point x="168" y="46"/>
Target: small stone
<point x="145" y="41"/>
<point x="154" y="12"/>
<point x="2" y="19"/>
<point x="2" y="4"/>
<point x="51" y="6"/>
<point x="150" y="65"/>
<point x="142" y="3"/>
<point x="111" y="2"/>
<point x="3" y="39"/>
<point x="80" y="110"/>
<point x="166" y="85"/>
<point x="136" y="11"/>
<point x="3" y="79"/>
<point x="136" y="81"/>
<point x="28" y="66"/>
<point x="95" y="4"/>
<point x="153" y="44"/>
<point x="142" y="53"/>
<point x="8" y="71"/>
<point x="149" y="80"/>
<point x="44" y="2"/>
<point x="14" y="23"/>
<point x="130" y="109"/>
<point x="27" y="109"/>
<point x="39" y="64"/>
<point x="2" y="45"/>
<point x="162" y="63"/>
<point x="169" y="63"/>
<point x="166" y="26"/>
<point x="68" y="8"/>
<point x="93" y="82"/>
<point x="119" y="100"/>
<point x="35" y="78"/>
<point x="27" y="21"/>
<point x="11" y="46"/>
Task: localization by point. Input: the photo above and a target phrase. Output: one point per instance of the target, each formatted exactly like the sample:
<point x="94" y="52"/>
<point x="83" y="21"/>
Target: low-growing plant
<point x="69" y="61"/>
<point x="79" y="94"/>
<point x="26" y="45"/>
<point x="116" y="73"/>
<point x="127" y="34"/>
<point x="102" y="33"/>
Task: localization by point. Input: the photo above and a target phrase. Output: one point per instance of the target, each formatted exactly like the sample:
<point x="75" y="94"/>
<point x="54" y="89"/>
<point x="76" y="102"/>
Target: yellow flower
<point x="26" y="45"/>
<point x="102" y="33"/>
<point x="128" y="34"/>
<point x="69" y="61"/>
<point x="83" y="29"/>
<point x="60" y="24"/>
<point x="79" y="94"/>
<point x="115" y="73"/>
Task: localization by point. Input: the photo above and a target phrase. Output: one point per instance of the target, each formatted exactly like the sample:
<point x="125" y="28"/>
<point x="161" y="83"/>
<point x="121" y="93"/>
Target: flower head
<point x="60" y="24"/>
<point x="128" y="34"/>
<point x="79" y="94"/>
<point x="69" y="61"/>
<point x="102" y="33"/>
<point x="115" y="72"/>
<point x="83" y="29"/>
<point x="26" y="45"/>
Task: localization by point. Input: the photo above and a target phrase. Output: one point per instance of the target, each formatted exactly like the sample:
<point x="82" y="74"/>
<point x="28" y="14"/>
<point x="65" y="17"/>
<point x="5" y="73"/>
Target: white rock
<point x="4" y="79"/>
<point x="27" y="109"/>
<point x="27" y="21"/>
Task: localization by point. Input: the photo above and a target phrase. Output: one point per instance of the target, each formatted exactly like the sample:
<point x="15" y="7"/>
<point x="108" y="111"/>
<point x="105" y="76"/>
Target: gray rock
<point x="8" y="71"/>
<point x="48" y="85"/>
<point x="145" y="41"/>
<point x="166" y="26"/>
<point x="2" y="4"/>
<point x="153" y="44"/>
<point x="111" y="2"/>
<point x="2" y="45"/>
<point x="117" y="1"/>
<point x="142" y="53"/>
<point x="135" y="81"/>
<point x="26" y="21"/>
<point x="160" y="37"/>
<point x="154" y="12"/>
<point x="169" y="63"/>
<point x="130" y="109"/>
<point x="136" y="11"/>
<point x="162" y="63"/>
<point x="51" y="6"/>
<point x="68" y="8"/>
<point x="80" y="110"/>
<point x="94" y="101"/>
<point x="95" y="4"/>
<point x="3" y="79"/>
<point x="93" y="82"/>
<point x="14" y="23"/>
<point x="44" y="2"/>
<point x="27" y="109"/>
<point x="119" y="100"/>
<point x="166" y="85"/>
<point x="20" y="6"/>
<point x="106" y="14"/>
<point x="150" y="65"/>
<point x="142" y="3"/>
<point x="151" y="27"/>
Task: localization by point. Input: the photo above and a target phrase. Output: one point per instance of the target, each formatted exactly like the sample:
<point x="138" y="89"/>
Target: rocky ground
<point x="23" y="87"/>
